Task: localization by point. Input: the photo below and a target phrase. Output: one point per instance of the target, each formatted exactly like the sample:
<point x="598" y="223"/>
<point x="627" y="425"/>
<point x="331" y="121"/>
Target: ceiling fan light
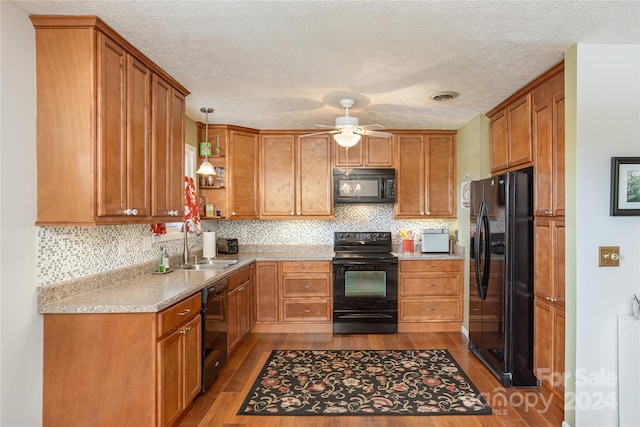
<point x="347" y="140"/>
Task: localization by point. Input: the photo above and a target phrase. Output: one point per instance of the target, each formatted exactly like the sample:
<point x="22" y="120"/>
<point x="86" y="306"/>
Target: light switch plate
<point x="609" y="256"/>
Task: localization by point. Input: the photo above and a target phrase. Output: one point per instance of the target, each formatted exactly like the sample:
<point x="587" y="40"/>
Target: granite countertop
<point x="138" y="290"/>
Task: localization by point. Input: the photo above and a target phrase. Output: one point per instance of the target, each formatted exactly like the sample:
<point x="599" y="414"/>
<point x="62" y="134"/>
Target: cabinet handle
<point x="475" y="309"/>
<point x="548" y="298"/>
<point x="429" y="285"/>
<point x="130" y="212"/>
<point x="429" y="309"/>
<point x="184" y="312"/>
<point x="187" y="329"/>
<point x="305" y="286"/>
<point x="548" y="213"/>
<point x="307" y="311"/>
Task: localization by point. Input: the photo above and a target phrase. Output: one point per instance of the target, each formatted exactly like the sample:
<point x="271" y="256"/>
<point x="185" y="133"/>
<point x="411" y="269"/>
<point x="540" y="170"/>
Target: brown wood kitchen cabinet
<point x="267" y="291"/>
<point x="121" y="369"/>
<point x="98" y="148"/>
<point x="235" y="196"/>
<point x="306" y="291"/>
<point x="167" y="150"/>
<point x="510" y="129"/>
<point x="295" y="176"/>
<point x="293" y="296"/>
<point x="548" y="136"/>
<point x="425" y="175"/>
<point x="430" y="296"/>
<point x="239" y="308"/>
<point x="370" y="152"/>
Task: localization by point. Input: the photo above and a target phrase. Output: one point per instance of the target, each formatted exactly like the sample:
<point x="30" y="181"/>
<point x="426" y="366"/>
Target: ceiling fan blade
<point x="325" y="126"/>
<point x="375" y="126"/>
<point x="319" y="133"/>
<point x="376" y="133"/>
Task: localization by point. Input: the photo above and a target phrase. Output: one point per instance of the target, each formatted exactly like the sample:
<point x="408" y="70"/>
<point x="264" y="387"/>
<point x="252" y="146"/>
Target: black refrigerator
<point x="501" y="277"/>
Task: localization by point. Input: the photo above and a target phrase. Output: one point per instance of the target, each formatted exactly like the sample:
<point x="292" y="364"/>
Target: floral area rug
<point x="363" y="382"/>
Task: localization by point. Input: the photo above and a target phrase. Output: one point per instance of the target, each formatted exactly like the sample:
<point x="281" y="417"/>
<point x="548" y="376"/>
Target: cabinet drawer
<point x="172" y="317"/>
<point x="306" y="310"/>
<point x="240" y="277"/>
<point x="445" y="284"/>
<point x="299" y="267"/>
<point x="430" y="265"/>
<point x="423" y="309"/>
<point x="306" y="286"/>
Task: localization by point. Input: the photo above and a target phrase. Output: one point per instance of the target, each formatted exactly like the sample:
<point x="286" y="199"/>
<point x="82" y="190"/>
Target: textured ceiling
<point x="286" y="64"/>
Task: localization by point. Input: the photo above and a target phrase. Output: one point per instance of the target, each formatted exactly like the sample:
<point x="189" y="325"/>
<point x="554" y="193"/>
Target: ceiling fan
<point x="347" y="130"/>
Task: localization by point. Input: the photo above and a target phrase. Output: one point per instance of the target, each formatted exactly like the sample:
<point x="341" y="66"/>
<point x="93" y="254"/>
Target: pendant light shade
<point x="206" y="168"/>
<point x="347" y="138"/>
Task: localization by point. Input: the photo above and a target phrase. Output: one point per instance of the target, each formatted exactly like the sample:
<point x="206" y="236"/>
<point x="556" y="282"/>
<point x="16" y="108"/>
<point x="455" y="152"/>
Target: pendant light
<point x="206" y="168"/>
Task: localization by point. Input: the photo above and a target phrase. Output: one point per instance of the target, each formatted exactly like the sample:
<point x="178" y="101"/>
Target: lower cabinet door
<point x="170" y="378"/>
<point x="192" y="353"/>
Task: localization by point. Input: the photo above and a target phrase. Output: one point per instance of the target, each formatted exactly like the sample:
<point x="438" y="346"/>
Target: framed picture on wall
<point x="625" y="186"/>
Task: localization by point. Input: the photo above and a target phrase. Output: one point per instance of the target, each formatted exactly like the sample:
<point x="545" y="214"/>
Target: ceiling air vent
<point x="444" y="96"/>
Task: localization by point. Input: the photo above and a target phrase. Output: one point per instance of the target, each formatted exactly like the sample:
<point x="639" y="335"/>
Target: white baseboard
<point x="464" y="331"/>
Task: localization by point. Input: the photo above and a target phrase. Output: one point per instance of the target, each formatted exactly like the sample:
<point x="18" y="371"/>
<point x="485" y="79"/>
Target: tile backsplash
<point x="69" y="252"/>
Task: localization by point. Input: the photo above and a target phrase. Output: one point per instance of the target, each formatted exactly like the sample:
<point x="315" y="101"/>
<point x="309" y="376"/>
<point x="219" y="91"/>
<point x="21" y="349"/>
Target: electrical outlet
<point x="147" y="243"/>
<point x="609" y="256"/>
<point x="122" y="247"/>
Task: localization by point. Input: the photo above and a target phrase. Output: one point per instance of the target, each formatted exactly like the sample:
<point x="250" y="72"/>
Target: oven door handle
<point x="365" y="316"/>
<point x="372" y="262"/>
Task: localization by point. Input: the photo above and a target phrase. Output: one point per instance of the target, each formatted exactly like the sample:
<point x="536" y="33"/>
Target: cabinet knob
<point x="299" y="213"/>
<point x="421" y="212"/>
<point x="292" y="213"/>
<point x="548" y="298"/>
<point x="548" y="213"/>
<point x="428" y="213"/>
<point x="233" y="213"/>
<point x="130" y="212"/>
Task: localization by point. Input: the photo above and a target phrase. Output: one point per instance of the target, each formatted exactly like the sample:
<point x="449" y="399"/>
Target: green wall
<point x="473" y="161"/>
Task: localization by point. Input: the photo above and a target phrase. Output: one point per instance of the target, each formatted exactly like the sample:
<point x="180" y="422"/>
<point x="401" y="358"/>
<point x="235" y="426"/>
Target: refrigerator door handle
<point x="487" y="253"/>
<point x="477" y="246"/>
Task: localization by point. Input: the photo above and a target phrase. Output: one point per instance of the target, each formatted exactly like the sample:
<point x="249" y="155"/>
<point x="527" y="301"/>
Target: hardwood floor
<point x="218" y="406"/>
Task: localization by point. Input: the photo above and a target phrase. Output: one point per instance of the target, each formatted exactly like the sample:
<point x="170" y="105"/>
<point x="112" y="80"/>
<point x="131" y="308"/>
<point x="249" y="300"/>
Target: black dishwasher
<point x="214" y="331"/>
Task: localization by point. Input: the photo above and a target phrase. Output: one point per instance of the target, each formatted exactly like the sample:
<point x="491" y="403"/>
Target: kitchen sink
<point x="210" y="264"/>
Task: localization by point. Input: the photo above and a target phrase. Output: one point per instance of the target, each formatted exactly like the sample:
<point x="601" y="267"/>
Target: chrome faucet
<point x="185" y="231"/>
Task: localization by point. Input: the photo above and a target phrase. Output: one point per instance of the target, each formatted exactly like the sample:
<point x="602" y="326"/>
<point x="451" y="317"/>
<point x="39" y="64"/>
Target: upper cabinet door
<point x="410" y="181"/>
<point x="370" y="152"/>
<point x="112" y="145"/>
<point x="440" y="172"/>
<point x="314" y="177"/>
<point x="278" y="185"/>
<point x="548" y="136"/>
<point x="138" y="164"/>
<point x="511" y="141"/>
<point x="242" y="175"/>
<point x="167" y="168"/>
<point x="124" y="148"/>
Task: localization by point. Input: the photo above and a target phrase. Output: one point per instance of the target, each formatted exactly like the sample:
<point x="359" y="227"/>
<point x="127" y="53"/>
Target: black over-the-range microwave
<point x="364" y="185"/>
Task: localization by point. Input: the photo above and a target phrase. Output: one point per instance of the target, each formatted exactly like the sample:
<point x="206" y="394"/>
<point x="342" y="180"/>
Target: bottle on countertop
<point x="163" y="262"/>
